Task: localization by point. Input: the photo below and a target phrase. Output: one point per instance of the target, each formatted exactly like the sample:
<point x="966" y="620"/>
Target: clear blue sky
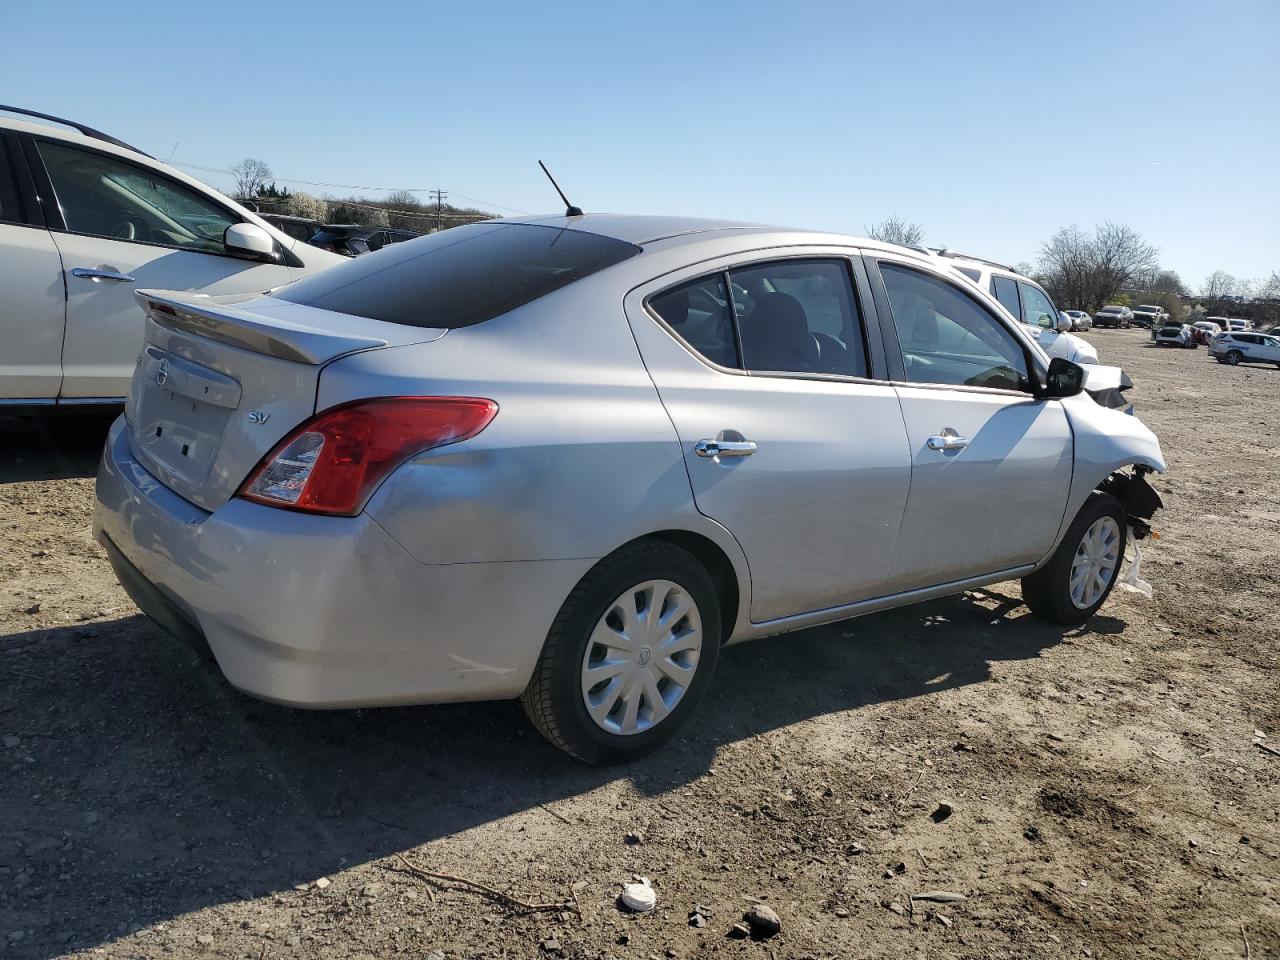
<point x="992" y="124"/>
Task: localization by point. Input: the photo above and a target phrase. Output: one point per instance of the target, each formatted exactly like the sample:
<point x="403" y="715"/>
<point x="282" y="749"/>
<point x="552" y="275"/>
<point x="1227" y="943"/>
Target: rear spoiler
<point x="225" y="323"/>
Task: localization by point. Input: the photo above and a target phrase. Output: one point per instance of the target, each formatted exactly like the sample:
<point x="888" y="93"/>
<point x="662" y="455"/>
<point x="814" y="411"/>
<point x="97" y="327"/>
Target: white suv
<point x="86" y="219"/>
<point x="1026" y="301"/>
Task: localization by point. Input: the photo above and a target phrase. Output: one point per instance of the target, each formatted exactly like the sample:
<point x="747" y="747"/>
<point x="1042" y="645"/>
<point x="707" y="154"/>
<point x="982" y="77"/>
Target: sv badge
<point x="258" y="417"/>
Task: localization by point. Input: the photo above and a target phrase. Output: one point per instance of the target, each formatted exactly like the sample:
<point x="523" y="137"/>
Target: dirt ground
<point x="1109" y="795"/>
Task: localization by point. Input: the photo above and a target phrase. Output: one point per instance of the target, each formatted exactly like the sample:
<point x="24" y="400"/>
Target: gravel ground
<point x="1108" y="794"/>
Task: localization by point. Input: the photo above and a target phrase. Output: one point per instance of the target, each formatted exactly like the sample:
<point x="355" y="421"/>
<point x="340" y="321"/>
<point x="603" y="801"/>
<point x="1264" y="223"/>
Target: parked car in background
<point x="300" y="228"/>
<point x="1234" y="324"/>
<point x="1113" y="316"/>
<point x="1149" y="315"/>
<point x="1234" y="348"/>
<point x="1080" y="320"/>
<point x="353" y="239"/>
<point x="1205" y="330"/>
<point x="84" y="220"/>
<point x="1026" y="301"/>
<point x="1175" y="334"/>
<point x="520" y="458"/>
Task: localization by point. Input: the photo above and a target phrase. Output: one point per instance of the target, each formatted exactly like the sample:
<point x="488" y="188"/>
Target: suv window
<point x="699" y="314"/>
<point x="798" y="316"/>
<point x="1006" y="291"/>
<point x="299" y="231"/>
<point x="105" y="196"/>
<point x="10" y="211"/>
<point x="947" y="337"/>
<point x="461" y="276"/>
<point x="1037" y="309"/>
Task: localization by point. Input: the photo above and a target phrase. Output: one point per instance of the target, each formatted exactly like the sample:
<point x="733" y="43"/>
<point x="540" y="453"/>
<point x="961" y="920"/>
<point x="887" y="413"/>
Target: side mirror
<point x="1063" y="379"/>
<point x="249" y="240"/>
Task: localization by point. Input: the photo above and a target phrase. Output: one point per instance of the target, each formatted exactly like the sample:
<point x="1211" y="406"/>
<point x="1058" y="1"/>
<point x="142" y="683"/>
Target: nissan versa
<point x="568" y="459"/>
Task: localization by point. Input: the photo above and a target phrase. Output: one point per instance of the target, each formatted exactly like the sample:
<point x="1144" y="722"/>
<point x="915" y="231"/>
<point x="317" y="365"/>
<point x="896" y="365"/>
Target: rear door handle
<point x="947" y="440"/>
<point x="101" y="273"/>
<point x="725" y="448"/>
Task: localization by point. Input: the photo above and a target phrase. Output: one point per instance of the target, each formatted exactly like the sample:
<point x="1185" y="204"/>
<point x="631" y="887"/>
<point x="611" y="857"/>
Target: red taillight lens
<point x="332" y="462"/>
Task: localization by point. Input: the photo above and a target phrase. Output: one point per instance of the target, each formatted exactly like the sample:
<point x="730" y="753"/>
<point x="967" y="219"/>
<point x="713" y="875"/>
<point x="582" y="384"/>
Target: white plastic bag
<point x="1132" y="579"/>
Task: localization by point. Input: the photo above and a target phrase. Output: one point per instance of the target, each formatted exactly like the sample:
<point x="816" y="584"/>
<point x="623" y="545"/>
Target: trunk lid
<point x="220" y="380"/>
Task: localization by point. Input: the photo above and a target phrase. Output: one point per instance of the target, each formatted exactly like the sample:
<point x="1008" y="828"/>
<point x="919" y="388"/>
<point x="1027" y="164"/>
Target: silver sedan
<point x="569" y="459"/>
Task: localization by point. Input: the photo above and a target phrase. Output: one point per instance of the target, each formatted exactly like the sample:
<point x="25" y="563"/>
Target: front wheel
<point x="1079" y="577"/>
<point x="629" y="655"/>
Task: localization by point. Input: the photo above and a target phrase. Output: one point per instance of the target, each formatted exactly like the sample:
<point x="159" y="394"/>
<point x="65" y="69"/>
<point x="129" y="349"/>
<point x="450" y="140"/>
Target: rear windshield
<point x="459" y="277"/>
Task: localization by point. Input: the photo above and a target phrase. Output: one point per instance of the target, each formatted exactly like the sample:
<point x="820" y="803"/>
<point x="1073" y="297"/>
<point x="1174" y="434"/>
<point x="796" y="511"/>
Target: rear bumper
<point x="322" y="611"/>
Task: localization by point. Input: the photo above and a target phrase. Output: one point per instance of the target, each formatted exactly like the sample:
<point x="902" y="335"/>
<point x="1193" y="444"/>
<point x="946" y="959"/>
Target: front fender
<point x="1106" y="440"/>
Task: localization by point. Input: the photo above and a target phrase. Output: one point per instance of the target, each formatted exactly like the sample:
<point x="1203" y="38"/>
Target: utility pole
<point x="439" y="195"/>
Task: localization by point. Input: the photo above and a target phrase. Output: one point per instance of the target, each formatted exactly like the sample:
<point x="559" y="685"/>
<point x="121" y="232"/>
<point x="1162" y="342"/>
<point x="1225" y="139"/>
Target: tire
<point x="556" y="698"/>
<point x="1233" y="357"/>
<point x="1048" y="591"/>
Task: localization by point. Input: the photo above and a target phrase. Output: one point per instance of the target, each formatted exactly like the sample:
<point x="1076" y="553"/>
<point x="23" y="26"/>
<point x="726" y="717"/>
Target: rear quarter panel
<point x="580" y="459"/>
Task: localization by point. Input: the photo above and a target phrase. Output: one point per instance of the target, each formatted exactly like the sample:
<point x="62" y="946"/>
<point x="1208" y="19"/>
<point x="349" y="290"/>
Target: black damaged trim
<point x="1139" y="498"/>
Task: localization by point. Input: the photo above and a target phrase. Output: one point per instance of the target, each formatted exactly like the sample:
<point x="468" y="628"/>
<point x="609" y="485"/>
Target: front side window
<point x="104" y="196"/>
<point x="1006" y="291"/>
<point x="799" y="316"/>
<point x="1037" y="310"/>
<point x="461" y="276"/>
<point x="947" y="337"/>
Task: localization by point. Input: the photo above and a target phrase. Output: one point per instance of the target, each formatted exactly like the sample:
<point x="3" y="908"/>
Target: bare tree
<point x="1218" y="284"/>
<point x="250" y="176"/>
<point x="405" y="210"/>
<point x="1121" y="256"/>
<point x="897" y="230"/>
<point x="1088" y="271"/>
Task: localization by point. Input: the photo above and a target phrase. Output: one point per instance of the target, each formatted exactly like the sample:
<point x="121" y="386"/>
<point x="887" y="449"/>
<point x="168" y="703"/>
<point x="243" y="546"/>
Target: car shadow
<point x="54" y="444"/>
<point x="141" y="786"/>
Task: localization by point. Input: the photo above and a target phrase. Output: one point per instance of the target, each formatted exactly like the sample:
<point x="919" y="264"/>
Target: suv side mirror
<point x="249" y="240"/>
<point x="1063" y="379"/>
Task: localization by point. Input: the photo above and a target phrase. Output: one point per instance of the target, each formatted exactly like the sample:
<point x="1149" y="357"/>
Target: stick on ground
<point x="498" y="895"/>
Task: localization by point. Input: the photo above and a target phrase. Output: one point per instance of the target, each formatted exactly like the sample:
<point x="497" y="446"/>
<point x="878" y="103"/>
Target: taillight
<point x="332" y="462"/>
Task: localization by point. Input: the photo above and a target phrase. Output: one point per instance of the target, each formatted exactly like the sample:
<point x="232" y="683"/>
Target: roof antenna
<point x="569" y="209"/>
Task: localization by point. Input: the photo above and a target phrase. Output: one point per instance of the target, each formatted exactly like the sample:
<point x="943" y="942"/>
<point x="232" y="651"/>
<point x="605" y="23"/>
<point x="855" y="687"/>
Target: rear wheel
<point x="1233" y="357"/>
<point x="629" y="656"/>
<point x="1079" y="577"/>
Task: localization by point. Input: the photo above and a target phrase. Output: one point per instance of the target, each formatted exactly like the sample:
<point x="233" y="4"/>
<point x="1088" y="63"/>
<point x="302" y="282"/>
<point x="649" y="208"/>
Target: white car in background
<point x="1175" y="334"/>
<point x="1235" y="324"/>
<point x="1079" y="320"/>
<point x="1235" y="348"/>
<point x="84" y="220"/>
<point x="1027" y="302"/>
<point x="1149" y="315"/>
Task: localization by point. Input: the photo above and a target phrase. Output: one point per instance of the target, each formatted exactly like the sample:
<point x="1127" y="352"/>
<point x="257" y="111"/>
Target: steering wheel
<point x="125" y="230"/>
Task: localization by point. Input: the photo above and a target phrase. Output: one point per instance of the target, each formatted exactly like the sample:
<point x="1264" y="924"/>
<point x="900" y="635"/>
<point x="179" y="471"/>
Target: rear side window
<point x="700" y="314"/>
<point x="1006" y="291"/>
<point x="785" y="316"/>
<point x="972" y="274"/>
<point x="798" y="316"/>
<point x="459" y="277"/>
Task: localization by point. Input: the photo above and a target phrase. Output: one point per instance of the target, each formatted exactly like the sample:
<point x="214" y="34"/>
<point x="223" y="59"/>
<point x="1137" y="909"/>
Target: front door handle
<point x="101" y="273"/>
<point x="725" y="448"/>
<point x="947" y="440"/>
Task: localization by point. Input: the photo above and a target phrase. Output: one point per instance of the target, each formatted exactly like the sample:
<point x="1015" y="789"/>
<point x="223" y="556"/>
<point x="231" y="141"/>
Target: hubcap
<point x="1095" y="562"/>
<point x="641" y="657"/>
